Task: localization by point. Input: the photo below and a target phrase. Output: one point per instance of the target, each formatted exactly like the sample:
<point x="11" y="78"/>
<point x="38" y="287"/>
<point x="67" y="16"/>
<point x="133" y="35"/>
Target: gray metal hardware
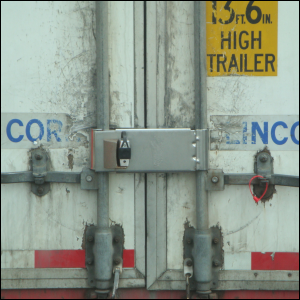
<point x="51" y="176"/>
<point x="116" y="243"/>
<point x="124" y="151"/>
<point x="152" y="150"/>
<point x="243" y="179"/>
<point x="215" y="180"/>
<point x="217" y="255"/>
<point x="117" y="270"/>
<point x="190" y="253"/>
<point x="116" y="283"/>
<point x="88" y="179"/>
<point x="40" y="164"/>
<point x="276" y="179"/>
<point x="188" y="294"/>
<point x="188" y="273"/>
<point x="188" y="267"/>
<point x="263" y="166"/>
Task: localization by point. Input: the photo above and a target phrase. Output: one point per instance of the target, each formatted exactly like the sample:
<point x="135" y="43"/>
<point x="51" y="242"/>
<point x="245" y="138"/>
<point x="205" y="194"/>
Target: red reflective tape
<point x="45" y="294"/>
<point x="72" y="259"/>
<point x="128" y="258"/>
<point x="59" y="259"/>
<point x="276" y="261"/>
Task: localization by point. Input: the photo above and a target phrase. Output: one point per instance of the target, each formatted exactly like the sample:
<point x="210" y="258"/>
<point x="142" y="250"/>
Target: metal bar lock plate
<point x="149" y="150"/>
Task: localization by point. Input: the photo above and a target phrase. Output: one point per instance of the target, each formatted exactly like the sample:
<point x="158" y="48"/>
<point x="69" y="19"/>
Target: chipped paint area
<point x="49" y="75"/>
<point x="244" y="133"/>
<point x="179" y="91"/>
<point x="32" y="130"/>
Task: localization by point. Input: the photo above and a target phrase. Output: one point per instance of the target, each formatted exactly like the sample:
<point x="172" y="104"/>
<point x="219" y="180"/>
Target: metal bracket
<point x="88" y="179"/>
<point x="117" y="241"/>
<point x="215" y="180"/>
<point x="40" y="164"/>
<point x="264" y="166"/>
<point x="152" y="150"/>
<point x="217" y="253"/>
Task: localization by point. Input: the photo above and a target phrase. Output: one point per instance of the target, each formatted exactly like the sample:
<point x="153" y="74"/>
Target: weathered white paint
<point x="139" y="122"/>
<point x="48" y="66"/>
<point x="273" y="226"/>
<point x="121" y="66"/>
<point x="246" y="226"/>
<point x="237" y="261"/>
<point x="17" y="259"/>
<point x="179" y="112"/>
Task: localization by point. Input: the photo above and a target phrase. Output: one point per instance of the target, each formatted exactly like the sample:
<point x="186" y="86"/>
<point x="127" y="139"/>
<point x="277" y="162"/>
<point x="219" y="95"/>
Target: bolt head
<point x="189" y="263"/>
<point x="88" y="178"/>
<point x="290" y="274"/>
<point x="215" y="179"/>
<point x="89" y="262"/>
<point x="40" y="190"/>
<point x="215" y="241"/>
<point x="38" y="157"/>
<point x="116" y="239"/>
<point x="117" y="261"/>
<point x="263" y="157"/>
<point x="90" y="238"/>
<point x="216" y="263"/>
<point x="255" y="274"/>
<point x="189" y="241"/>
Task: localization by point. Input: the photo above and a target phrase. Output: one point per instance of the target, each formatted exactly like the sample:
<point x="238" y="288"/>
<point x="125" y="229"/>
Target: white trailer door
<point x="48" y="100"/>
<point x="246" y="113"/>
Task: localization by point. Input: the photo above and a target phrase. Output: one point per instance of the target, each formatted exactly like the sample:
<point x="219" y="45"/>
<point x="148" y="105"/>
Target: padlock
<point x="124" y="151"/>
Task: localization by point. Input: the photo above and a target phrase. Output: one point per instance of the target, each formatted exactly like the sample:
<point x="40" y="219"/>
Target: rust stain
<point x="187" y="224"/>
<point x="70" y="161"/>
<point x="257" y="189"/>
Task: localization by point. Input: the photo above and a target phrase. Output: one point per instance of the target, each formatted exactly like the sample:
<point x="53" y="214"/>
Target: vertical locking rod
<point x="103" y="249"/>
<point x="202" y="239"/>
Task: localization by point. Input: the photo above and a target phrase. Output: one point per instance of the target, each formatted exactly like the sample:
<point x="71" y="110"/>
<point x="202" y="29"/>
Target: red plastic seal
<point x="256" y="199"/>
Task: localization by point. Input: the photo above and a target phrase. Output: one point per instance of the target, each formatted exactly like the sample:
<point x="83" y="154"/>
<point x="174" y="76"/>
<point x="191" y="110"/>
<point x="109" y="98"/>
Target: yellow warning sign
<point x="241" y="38"/>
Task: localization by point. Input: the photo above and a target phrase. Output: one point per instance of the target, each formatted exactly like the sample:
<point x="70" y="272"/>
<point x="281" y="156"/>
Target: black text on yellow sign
<point x="241" y="38"/>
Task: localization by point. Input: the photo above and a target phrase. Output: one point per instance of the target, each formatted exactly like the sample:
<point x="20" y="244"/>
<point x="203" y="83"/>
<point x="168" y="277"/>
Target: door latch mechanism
<point x="124" y="151"/>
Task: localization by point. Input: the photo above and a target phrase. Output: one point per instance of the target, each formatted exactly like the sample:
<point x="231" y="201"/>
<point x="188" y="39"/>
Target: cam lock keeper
<point x="123" y="151"/>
